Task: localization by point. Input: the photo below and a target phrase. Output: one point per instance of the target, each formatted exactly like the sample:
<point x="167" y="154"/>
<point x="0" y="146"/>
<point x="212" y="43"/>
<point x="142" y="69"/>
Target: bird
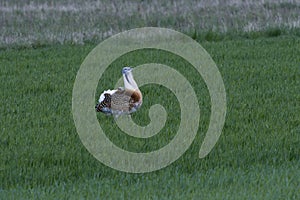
<point x="122" y="100"/>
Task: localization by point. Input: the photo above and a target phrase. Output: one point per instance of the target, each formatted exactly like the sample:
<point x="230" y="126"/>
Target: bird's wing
<point x="126" y="100"/>
<point x="120" y="100"/>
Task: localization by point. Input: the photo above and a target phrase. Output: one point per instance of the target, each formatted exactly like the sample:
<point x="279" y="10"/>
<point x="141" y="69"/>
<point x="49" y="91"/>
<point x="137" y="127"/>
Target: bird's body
<point x="122" y="100"/>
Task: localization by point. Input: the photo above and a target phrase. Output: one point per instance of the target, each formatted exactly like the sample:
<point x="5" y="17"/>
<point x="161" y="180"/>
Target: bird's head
<point x="126" y="70"/>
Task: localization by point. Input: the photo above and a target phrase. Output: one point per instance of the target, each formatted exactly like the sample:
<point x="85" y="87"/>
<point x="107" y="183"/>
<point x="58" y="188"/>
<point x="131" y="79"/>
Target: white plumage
<point x="101" y="98"/>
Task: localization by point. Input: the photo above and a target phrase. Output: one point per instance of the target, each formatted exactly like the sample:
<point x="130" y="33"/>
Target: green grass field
<point x="257" y="156"/>
<point x="256" y="46"/>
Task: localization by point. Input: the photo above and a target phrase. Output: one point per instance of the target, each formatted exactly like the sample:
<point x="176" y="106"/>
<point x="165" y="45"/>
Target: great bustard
<point x="122" y="100"/>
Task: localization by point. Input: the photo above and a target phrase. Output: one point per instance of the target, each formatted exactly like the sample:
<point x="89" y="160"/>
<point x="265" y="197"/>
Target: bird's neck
<point x="129" y="82"/>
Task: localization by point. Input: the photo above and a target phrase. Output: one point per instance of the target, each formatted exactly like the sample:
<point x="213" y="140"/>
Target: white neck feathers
<point x="129" y="82"/>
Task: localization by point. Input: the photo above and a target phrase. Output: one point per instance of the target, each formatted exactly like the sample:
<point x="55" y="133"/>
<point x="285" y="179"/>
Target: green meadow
<point x="256" y="157"/>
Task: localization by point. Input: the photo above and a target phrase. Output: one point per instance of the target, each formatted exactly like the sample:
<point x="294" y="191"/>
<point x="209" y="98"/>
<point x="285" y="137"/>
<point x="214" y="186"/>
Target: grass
<point x="257" y="156"/>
